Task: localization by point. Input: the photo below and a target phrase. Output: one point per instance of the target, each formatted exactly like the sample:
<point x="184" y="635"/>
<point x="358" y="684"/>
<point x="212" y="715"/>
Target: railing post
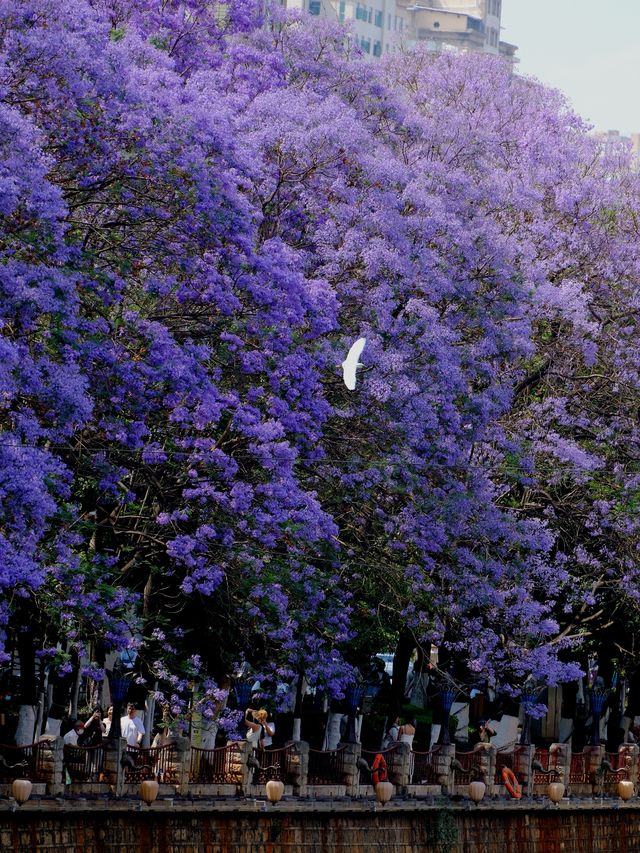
<point x="596" y="755"/>
<point x="399" y="769"/>
<point x="523" y="766"/>
<point x="183" y="761"/>
<point x="112" y="763"/>
<point x="443" y="769"/>
<point x="562" y="760"/>
<point x="629" y="756"/>
<point x="352" y="752"/>
<point x="485" y="760"/>
<point x="299" y="767"/>
<point x="53" y="764"/>
<point x="244" y="751"/>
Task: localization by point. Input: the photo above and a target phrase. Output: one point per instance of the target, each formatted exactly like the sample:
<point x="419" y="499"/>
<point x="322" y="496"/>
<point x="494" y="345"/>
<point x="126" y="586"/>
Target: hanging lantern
<point x="275" y="790"/>
<point x="477" y="791"/>
<point x="21" y="790"/>
<point x="625" y="789"/>
<point x="555" y="790"/>
<point x="149" y="790"/>
<point x="384" y="792"/>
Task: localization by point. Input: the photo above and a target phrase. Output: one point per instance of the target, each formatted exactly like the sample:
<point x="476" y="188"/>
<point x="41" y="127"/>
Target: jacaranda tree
<point x="201" y="209"/>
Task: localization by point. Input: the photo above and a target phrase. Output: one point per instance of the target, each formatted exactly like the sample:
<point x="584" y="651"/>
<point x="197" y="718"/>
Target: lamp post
<point x="118" y="687"/>
<point x="527" y="698"/>
<point x="353" y="697"/>
<point x="598" y="698"/>
<point x="446" y="697"/>
<point x="243" y="695"/>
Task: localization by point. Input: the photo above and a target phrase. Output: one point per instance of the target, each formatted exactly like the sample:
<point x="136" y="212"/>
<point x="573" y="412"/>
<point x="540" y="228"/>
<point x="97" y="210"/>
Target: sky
<point x="587" y="48"/>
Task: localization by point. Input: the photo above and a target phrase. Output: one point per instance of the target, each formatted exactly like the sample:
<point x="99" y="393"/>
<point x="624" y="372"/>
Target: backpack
<point x="391" y="737"/>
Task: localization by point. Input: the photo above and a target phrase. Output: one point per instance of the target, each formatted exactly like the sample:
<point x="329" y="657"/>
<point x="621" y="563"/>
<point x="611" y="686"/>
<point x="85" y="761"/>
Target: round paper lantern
<point x="149" y="790"/>
<point x="555" y="792"/>
<point x="21" y="790"/>
<point x="275" y="790"/>
<point x="477" y="791"/>
<point x="625" y="789"/>
<point x="384" y="792"/>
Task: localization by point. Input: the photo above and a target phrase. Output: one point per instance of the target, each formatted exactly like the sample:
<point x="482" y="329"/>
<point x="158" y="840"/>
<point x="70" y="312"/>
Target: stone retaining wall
<point x="246" y="827"/>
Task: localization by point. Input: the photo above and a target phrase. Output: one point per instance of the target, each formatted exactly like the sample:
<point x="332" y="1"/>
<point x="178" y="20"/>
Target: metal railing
<point x="161" y="762"/>
<point x="326" y="767"/>
<point x="621" y="762"/>
<point x="369" y="756"/>
<point x="274" y="764"/>
<point x="579" y="773"/>
<point x="220" y="766"/>
<point x="464" y="775"/>
<point x="86" y="764"/>
<point x="423" y="767"/>
<point x="23" y="762"/>
<point x="508" y="760"/>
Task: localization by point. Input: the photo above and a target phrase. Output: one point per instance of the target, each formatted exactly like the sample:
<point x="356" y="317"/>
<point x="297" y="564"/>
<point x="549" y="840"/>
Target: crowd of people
<point x="96" y="727"/>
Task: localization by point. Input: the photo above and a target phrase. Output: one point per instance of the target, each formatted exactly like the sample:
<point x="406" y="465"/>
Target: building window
<point x="436" y="25"/>
<point x="389" y="21"/>
<point x="370" y="15"/>
<point x="474" y="24"/>
<point x="401" y="24"/>
<point x="361" y="13"/>
<point x="377" y="48"/>
<point x="365" y="45"/>
<point x="378" y="18"/>
<point x="314" y="7"/>
<point x="341" y="10"/>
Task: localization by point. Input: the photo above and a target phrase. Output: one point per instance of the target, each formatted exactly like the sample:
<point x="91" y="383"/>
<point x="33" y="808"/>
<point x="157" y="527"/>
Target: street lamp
<point x="118" y="687"/>
<point x="527" y="698"/>
<point x="598" y="700"/>
<point x="353" y="697"/>
<point x="243" y="695"/>
<point x="446" y="697"/>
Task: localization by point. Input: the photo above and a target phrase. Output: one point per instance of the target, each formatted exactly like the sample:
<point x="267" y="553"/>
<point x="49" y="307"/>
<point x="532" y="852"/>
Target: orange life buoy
<point x="378" y="769"/>
<point x="511" y="783"/>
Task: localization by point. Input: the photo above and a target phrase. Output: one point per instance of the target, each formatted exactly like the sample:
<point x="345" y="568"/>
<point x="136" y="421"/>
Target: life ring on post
<point x="511" y="783"/>
<point x="378" y="769"/>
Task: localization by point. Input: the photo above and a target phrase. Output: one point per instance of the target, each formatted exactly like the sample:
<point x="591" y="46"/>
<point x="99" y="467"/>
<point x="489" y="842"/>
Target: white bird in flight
<point x="351" y="364"/>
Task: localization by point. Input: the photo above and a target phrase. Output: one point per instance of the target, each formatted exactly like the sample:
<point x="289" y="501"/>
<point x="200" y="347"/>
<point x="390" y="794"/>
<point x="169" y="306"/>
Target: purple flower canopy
<point x="199" y="215"/>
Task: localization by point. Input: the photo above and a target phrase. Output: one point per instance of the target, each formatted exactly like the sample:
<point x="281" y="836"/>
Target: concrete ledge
<point x="39" y="789"/>
<point x="212" y="791"/>
<point x="326" y="791"/>
<point x="424" y="791"/>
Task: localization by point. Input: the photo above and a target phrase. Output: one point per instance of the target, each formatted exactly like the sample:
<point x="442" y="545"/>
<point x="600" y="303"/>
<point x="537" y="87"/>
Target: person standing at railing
<point x="92" y="732"/>
<point x="71" y="737"/>
<point x="106" y="723"/>
<point x="407" y="732"/>
<point x="92" y="737"/>
<point x="132" y="727"/>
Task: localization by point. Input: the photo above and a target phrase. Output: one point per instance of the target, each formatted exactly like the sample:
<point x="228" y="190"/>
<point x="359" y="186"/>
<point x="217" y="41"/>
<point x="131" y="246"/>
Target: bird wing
<point x="350" y="364"/>
<point x="356" y="350"/>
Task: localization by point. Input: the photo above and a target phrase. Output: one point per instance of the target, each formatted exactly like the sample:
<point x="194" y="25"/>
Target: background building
<point x="384" y="26"/>
<point x="612" y="141"/>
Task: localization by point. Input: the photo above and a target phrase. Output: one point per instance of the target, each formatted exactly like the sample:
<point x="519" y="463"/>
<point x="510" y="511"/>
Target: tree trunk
<point x="297" y="709"/>
<point x="401" y="659"/>
<point x="332" y="732"/>
<point x="28" y="696"/>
